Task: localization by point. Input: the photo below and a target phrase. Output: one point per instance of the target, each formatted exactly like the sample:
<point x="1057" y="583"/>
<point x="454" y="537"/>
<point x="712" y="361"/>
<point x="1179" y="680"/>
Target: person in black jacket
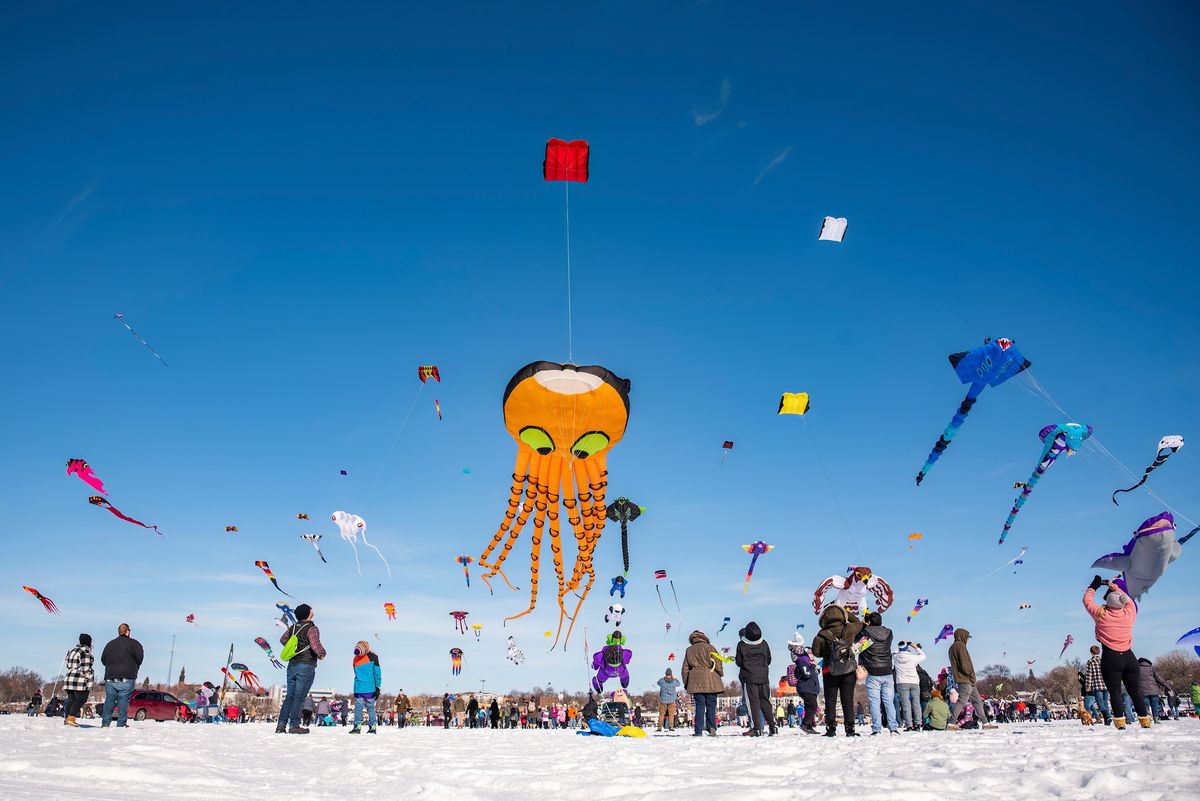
<point x="754" y="660"/>
<point x="834" y="645"/>
<point x="445" y="710"/>
<point x="877" y="660"/>
<point x="591" y="710"/>
<point x="122" y="659"/>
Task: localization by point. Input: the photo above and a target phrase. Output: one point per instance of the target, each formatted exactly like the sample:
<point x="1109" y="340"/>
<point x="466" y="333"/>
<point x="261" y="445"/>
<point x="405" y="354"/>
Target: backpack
<point x="290" y="647"/>
<point x="791" y="675"/>
<point x="613" y="656"/>
<point x="840" y="660"/>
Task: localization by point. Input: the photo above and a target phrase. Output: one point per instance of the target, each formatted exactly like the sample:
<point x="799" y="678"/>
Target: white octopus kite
<point x="351" y="527"/>
<point x="515" y="654"/>
<point x="852" y="591"/>
<point x="614" y="614"/>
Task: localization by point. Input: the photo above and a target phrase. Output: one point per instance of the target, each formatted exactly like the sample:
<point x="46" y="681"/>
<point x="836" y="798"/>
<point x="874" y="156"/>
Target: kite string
<point x="837" y="502"/>
<point x="391" y="450"/>
<point x="570" y="322"/>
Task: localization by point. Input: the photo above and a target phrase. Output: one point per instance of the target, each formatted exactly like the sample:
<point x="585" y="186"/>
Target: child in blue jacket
<point x="367" y="681"/>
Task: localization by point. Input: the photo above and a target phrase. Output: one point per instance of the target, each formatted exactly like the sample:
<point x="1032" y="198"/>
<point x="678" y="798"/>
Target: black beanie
<point x="85" y="639"/>
<point x="302" y="612"/>
<point x="874" y="619"/>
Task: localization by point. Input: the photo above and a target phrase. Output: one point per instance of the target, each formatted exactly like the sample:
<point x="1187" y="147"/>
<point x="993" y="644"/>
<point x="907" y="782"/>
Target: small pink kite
<point x="81" y="468"/>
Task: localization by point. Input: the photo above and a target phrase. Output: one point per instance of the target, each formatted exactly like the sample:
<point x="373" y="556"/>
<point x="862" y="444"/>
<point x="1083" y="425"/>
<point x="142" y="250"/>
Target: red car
<point x="151" y="705"/>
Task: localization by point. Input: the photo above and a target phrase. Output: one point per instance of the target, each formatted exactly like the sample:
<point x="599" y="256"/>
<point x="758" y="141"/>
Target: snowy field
<point x="42" y="759"/>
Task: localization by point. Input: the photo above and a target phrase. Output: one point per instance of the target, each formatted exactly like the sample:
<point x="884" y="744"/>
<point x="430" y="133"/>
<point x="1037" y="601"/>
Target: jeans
<point x="117" y="692"/>
<point x="910" y="703"/>
<point x="1127" y="704"/>
<point x="359" y="703"/>
<point x="300" y="676"/>
<point x="1096" y="702"/>
<point x="968" y="692"/>
<point x="879" y="688"/>
<point x="1155" y="704"/>
<point x="706" y="712"/>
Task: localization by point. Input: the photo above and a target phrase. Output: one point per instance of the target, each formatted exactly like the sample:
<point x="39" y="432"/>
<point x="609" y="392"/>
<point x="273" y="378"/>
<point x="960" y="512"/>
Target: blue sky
<point x="297" y="207"/>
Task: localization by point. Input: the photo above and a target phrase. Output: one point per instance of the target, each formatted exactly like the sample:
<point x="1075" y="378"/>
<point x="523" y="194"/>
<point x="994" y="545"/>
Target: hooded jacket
<point x="877" y="659"/>
<point x="906" y="665"/>
<point x="367" y="676"/>
<point x="1150" y="680"/>
<point x="753" y="657"/>
<point x="836" y="624"/>
<point x="960" y="658"/>
<point x="702" y="666"/>
<point x="1114" y="627"/>
<point x="805" y="671"/>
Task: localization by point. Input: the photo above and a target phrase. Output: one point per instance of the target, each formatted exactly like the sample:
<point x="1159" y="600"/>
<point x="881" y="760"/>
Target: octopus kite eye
<point x="589" y="444"/>
<point x="538" y="439"/>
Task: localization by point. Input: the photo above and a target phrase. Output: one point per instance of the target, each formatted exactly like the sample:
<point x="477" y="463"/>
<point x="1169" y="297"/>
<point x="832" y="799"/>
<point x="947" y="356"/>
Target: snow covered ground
<point x="42" y="759"/>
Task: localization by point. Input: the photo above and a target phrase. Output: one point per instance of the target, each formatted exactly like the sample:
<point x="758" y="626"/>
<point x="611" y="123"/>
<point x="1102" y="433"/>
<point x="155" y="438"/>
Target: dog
<point x="1085" y="717"/>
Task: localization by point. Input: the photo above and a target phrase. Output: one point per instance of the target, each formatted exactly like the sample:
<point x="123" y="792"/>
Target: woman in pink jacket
<point x="1114" y="630"/>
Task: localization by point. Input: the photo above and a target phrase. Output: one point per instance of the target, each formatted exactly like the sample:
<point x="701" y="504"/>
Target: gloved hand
<point x="376" y="693"/>
<point x="1096" y="584"/>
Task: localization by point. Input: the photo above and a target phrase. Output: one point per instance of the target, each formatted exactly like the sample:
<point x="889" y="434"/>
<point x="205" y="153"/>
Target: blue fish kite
<point x="1144" y="558"/>
<point x="1057" y="439"/>
<point x="991" y="364"/>
<point x="724" y="623"/>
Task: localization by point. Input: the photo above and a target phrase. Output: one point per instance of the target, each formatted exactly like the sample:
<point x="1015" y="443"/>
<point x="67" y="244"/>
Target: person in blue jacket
<point x="367" y="681"/>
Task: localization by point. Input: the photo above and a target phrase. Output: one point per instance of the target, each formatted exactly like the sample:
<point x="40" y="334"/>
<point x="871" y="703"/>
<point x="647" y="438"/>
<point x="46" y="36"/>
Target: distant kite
<point x="1023" y="606"/>
<point x="913" y="539"/>
<point x="266" y="568"/>
<point x="315" y="541"/>
<point x="352" y="527"/>
<point x="514" y="654"/>
<point x="302" y="516"/>
<point x="624" y="511"/>
<point x="833" y="229"/>
<point x="793" y="403"/>
<point x="755" y="549"/>
<point x="456" y="655"/>
<point x="466" y="562"/>
<point x="231" y="529"/>
<point x="138" y="337"/>
<point x="389" y="609"/>
<point x="266" y="646"/>
<point x="46" y="602"/>
<point x="989" y="365"/>
<point x="428" y="371"/>
<point x="437" y="407"/>
<point x="1019" y="559"/>
<point x="619" y="583"/>
<point x="1166" y="446"/>
<point x="96" y="500"/>
<point x="343" y="472"/>
<point x="724" y="622"/>
<point x="615" y="614"/>
<point x="917" y="607"/>
<point x="671" y="657"/>
<point x="566" y="161"/>
<point x="460" y="621"/>
<point x="659" y="575"/>
<point x="1066" y="644"/>
<point x="946" y="631"/>
<point x="478" y="629"/>
<point x="82" y="469"/>
<point x="191" y="618"/>
<point x="1057" y="440"/>
<point x="726" y="447"/>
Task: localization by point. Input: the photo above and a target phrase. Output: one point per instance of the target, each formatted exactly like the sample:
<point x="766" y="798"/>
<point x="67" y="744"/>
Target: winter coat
<point x="367" y="676"/>
<point x="1150" y="680"/>
<point x="80" y="674"/>
<point x="403" y="705"/>
<point x="122" y="658"/>
<point x="937" y="713"/>
<point x="960" y="659"/>
<point x="836" y="624"/>
<point x="926" y="684"/>
<point x="446" y="706"/>
<point x="1114" y="627"/>
<point x="807" y="681"/>
<point x="472" y="707"/>
<point x="668" y="690"/>
<point x="1195" y="695"/>
<point x="877" y="659"/>
<point x="702" y="666"/>
<point x="591" y="710"/>
<point x="753" y="657"/>
<point x="906" y="665"/>
<point x="307" y="651"/>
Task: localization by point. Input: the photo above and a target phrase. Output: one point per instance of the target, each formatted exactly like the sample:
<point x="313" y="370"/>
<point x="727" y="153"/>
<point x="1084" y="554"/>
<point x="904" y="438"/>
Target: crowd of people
<point x="1115" y="685"/>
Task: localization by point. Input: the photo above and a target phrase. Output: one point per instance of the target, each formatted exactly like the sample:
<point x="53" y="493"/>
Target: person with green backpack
<point x="301" y="650"/>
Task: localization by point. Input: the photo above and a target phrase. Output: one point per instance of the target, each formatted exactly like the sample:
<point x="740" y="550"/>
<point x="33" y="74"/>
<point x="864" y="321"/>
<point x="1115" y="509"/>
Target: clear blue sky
<point x="296" y="207"/>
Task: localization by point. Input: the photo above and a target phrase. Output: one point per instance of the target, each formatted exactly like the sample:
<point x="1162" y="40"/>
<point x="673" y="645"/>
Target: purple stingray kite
<point x="755" y="549"/>
<point x="946" y="631"/>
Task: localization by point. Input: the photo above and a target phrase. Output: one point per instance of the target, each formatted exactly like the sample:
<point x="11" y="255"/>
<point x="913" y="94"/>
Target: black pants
<point x="1122" y="666"/>
<point x="759" y="696"/>
<point x="75" y="701"/>
<point x="843" y="685"/>
<point x="810" y="710"/>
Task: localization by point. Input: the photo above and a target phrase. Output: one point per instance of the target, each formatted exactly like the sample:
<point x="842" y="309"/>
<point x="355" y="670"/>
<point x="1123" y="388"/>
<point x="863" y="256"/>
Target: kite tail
<point x="749" y="573"/>
<point x="467" y="574"/>
<point x="625" y="544"/>
<point x="677" y="609"/>
<point x="947" y="436"/>
<point x="1042" y="467"/>
<point x="50" y="607"/>
<point x="1145" y="476"/>
<point x="1183" y="540"/>
<point x="658" y="589"/>
<point x="323" y="559"/>
<point x="276" y="583"/>
<point x="381" y="556"/>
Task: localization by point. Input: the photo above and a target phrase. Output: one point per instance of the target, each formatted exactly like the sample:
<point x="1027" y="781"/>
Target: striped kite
<point x="1057" y="439"/>
<point x="1166" y="446"/>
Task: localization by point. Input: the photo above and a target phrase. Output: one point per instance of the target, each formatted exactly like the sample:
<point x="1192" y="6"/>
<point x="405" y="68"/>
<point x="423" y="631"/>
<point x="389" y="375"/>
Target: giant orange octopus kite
<point x="564" y="419"/>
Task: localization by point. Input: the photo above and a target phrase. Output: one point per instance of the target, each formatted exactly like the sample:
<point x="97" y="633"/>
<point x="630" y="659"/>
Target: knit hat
<point x="361" y="648"/>
<point x="797" y="640"/>
<point x="85" y="639"/>
<point x="1115" y="600"/>
<point x="302" y="612"/>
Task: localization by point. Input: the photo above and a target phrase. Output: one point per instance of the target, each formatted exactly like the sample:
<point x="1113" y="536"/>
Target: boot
<point x="1146" y="721"/>
<point x="1119" y="722"/>
<point x="829" y="732"/>
<point x="371" y="730"/>
<point x="70" y="721"/>
<point x="355" y="730"/>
